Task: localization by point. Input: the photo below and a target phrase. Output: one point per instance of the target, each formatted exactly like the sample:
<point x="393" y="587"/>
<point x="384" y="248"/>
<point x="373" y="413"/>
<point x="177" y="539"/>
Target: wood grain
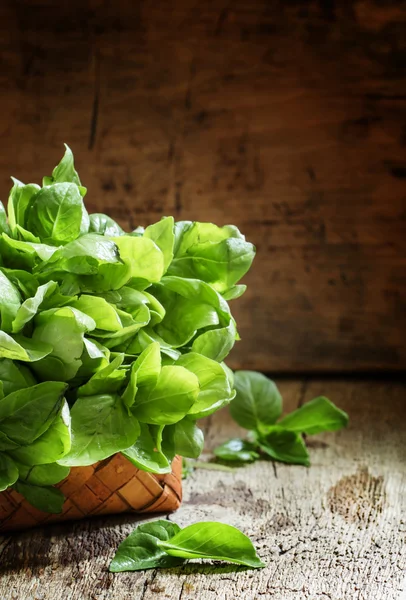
<point x="285" y="118"/>
<point x="334" y="531"/>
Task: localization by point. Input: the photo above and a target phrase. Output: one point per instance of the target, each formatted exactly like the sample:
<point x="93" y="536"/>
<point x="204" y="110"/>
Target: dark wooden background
<point x="287" y="118"/>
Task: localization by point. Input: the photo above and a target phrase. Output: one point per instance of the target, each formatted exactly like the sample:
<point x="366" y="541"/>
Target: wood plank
<point x="330" y="532"/>
<point x="285" y="118"/>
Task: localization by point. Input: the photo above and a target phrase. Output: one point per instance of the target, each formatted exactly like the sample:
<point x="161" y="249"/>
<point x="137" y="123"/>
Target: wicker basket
<point x="111" y="486"/>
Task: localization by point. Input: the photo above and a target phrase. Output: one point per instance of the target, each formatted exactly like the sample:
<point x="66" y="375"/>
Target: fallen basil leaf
<point x="140" y="550"/>
<point x="212" y="540"/>
<point x="314" y="417"/>
<point x="236" y="450"/>
<point x="258" y="402"/>
<point x="285" y="446"/>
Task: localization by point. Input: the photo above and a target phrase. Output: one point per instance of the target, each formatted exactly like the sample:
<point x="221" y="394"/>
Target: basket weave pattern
<point x="111" y="486"/>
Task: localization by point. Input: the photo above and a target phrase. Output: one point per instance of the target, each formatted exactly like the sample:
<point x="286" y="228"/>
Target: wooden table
<point x="335" y="531"/>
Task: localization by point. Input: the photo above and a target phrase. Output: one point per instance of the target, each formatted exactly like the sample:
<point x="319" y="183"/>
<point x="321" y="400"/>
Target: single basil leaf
<point x="314" y="417"/>
<point x="236" y="291"/>
<point x="10" y="301"/>
<point x="26" y="236"/>
<point x="140" y="550"/>
<point x="191" y="306"/>
<point x="162" y="233"/>
<point x="14" y="376"/>
<point x="208" y="411"/>
<point x="19" y="200"/>
<point x="170" y="400"/>
<point x="30" y="307"/>
<point x="285" y="446"/>
<point x="26" y="414"/>
<point x="148" y="366"/>
<point x="4" y="226"/>
<point x="145" y="453"/>
<point x="83" y="258"/>
<point x="24" y="255"/>
<point x="236" y="450"/>
<point x="105" y="225"/>
<point x="258" y="402"/>
<point x="95" y="357"/>
<point x="8" y="472"/>
<point x="25" y="282"/>
<point x="183" y="438"/>
<point x="103" y="313"/>
<point x="131" y="324"/>
<point x="49" y="447"/>
<point x="108" y="380"/>
<point x="20" y="348"/>
<point x="42" y="475"/>
<point x="65" y="172"/>
<point x="218" y="255"/>
<point x="64" y="328"/>
<point x="56" y="214"/>
<point x="156" y="309"/>
<point x="213" y="381"/>
<point x="144" y="338"/>
<point x="215" y="541"/>
<point x="216" y="343"/>
<point x="45" y="498"/>
<point x="145" y="372"/>
<point x="143" y="256"/>
<point x="101" y="426"/>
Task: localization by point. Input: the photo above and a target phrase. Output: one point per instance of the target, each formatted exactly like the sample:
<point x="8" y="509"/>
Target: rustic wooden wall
<point x="286" y="118"/>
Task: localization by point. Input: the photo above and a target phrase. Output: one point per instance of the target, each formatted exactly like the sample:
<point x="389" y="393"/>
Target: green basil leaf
<point x="170" y="400"/>
<point x="65" y="172"/>
<point x="285" y="446"/>
<point x="45" y="498"/>
<point x="105" y="225"/>
<point x="19" y="200"/>
<point x="215" y="541"/>
<point x="213" y="382"/>
<point x="51" y="445"/>
<point x="30" y="307"/>
<point x="64" y="328"/>
<point x="140" y="549"/>
<point x="314" y="417"/>
<point x="101" y="426"/>
<point x="25" y="349"/>
<point x="236" y="450"/>
<point x="8" y="472"/>
<point x="103" y="313"/>
<point x="162" y="233"/>
<point x="10" y="301"/>
<point x="26" y="414"/>
<point x="218" y="255"/>
<point x="108" y="380"/>
<point x="4" y="226"/>
<point x="216" y="343"/>
<point x="258" y="402"/>
<point x="56" y="214"/>
<point x="183" y="438"/>
<point x="14" y="376"/>
<point x="42" y="475"/>
<point x="236" y="291"/>
<point x="146" y="454"/>
<point x="143" y="256"/>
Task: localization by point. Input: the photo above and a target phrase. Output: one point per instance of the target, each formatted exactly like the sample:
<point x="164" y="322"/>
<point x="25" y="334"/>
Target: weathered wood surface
<point x="335" y="531"/>
<point x="285" y="118"/>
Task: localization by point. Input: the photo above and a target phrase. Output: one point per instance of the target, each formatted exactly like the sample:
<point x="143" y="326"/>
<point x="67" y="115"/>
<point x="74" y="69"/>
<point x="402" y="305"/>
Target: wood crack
<point x="95" y="107"/>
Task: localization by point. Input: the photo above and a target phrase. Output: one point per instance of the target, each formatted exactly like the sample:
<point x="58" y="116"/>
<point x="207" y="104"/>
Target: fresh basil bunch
<point x="109" y="342"/>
